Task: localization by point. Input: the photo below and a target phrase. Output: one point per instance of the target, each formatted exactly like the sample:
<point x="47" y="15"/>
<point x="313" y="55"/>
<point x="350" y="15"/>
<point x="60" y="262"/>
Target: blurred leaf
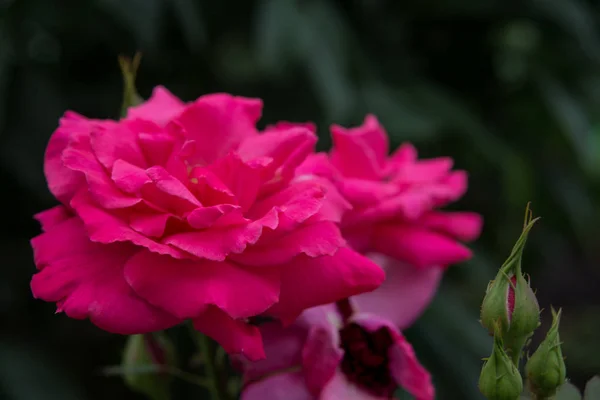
<point x="191" y="22"/>
<point x="575" y="17"/>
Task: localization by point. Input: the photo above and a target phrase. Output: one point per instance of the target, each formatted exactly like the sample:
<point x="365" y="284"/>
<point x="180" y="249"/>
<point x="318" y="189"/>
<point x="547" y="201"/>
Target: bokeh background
<point x="509" y="89"/>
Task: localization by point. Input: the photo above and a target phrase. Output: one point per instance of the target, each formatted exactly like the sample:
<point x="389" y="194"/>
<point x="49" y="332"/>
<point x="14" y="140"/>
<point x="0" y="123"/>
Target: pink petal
<point x="52" y="216"/>
<point x="175" y="189"/>
<point x="209" y="188"/>
<point x="116" y="142"/>
<point x="62" y="181"/>
<point x="185" y="288"/>
<point x="288" y="146"/>
<point x="283" y="125"/>
<point x="319" y="239"/>
<point x="152" y="225"/>
<point x="334" y="207"/>
<point x="86" y="280"/>
<point x="321" y="357"/>
<point x="405" y="154"/>
<point x="362" y="192"/>
<point x="156" y="147"/>
<point x="216" y="243"/>
<point x="220" y="122"/>
<point x="204" y="217"/>
<point x="160" y="108"/>
<point x="283" y="350"/>
<point x="308" y="282"/>
<point x="293" y="205"/>
<point x="360" y="152"/>
<point x="283" y="386"/>
<point x="103" y="227"/>
<point x="101" y="187"/>
<point x="423" y="171"/>
<point x="340" y="388"/>
<point x="242" y="178"/>
<point x="233" y="335"/>
<point x="404" y="366"/>
<point x="129" y="178"/>
<point x="465" y="226"/>
<point x="406" y="292"/>
<point x="418" y="246"/>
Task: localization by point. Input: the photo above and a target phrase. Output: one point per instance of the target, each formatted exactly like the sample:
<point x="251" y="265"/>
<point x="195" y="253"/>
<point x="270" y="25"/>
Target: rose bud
<point x="500" y="379"/>
<point x="546" y="370"/>
<point x="510" y="302"/>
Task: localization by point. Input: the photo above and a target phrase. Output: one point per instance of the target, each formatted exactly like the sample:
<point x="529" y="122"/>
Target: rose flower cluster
<point x="187" y="211"/>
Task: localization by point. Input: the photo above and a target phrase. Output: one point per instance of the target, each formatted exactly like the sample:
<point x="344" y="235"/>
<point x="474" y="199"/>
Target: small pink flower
<point x="186" y="211"/>
<point x="396" y="203"/>
<point x="331" y="354"/>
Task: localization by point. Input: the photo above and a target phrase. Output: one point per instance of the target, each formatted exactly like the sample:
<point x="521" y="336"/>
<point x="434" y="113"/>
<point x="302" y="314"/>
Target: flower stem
<point x="213" y="382"/>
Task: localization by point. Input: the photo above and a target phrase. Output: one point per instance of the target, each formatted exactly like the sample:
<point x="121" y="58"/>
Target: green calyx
<point x="545" y="369"/>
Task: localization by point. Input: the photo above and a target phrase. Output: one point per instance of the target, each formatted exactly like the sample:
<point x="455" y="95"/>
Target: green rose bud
<point x="509" y="300"/>
<point x="546" y="370"/>
<point x="143" y="359"/>
<point x="500" y="379"/>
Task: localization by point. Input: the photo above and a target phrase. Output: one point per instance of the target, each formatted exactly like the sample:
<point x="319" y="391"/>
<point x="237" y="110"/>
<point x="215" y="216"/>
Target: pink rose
<point x="185" y="211"/>
<point x="331" y="353"/>
<point x="395" y="206"/>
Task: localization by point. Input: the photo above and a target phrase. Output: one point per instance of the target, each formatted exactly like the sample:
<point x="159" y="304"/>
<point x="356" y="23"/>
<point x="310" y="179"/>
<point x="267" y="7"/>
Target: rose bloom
<point x="186" y="211"/>
<point x="335" y="352"/>
<point x="396" y="203"/>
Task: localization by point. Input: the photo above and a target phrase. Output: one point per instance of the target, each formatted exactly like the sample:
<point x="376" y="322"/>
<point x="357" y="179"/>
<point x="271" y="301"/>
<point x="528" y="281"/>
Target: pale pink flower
<point x="185" y="211"/>
<point x="335" y="353"/>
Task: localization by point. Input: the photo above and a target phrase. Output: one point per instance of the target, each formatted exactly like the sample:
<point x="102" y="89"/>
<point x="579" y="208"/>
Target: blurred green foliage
<point x="509" y="89"/>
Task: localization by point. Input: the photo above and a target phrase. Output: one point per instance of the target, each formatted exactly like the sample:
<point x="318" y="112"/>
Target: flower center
<point x="366" y="361"/>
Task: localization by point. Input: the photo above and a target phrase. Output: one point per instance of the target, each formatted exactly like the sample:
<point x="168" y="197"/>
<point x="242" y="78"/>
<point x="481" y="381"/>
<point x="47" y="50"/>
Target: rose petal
<point x="101" y="187"/>
<point x="204" y="217"/>
<point x="293" y="205"/>
<point x="308" y="282"/>
<point x="160" y="108"/>
<point x="320" y="239"/>
<point x="340" y="388"/>
<point x="283" y="350"/>
<point x="116" y="142"/>
<point x="404" y="294"/>
<point x="52" y="216"/>
<point x="283" y="386"/>
<point x="186" y="287"/>
<point x="360" y="152"/>
<point x="63" y="182"/>
<point x="418" y="246"/>
<point x="287" y="146"/>
<point x="216" y="243"/>
<point x="104" y="227"/>
<point x="321" y="357"/>
<point x="242" y="178"/>
<point x="465" y="226"/>
<point x="233" y="335"/>
<point x="219" y="122"/>
<point x="87" y="281"/>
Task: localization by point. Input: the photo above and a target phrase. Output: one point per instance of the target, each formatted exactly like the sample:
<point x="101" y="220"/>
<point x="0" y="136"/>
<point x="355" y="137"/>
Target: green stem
<point x="213" y="381"/>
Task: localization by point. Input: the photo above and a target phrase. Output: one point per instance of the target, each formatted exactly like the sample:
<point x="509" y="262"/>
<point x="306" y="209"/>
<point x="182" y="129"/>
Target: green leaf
<point x="592" y="389"/>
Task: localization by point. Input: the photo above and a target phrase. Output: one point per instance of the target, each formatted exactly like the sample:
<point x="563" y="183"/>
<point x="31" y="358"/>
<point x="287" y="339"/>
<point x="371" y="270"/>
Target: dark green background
<point x="510" y="89"/>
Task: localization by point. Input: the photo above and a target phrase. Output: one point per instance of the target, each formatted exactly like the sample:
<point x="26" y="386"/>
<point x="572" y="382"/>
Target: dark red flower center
<point x="366" y="361"/>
